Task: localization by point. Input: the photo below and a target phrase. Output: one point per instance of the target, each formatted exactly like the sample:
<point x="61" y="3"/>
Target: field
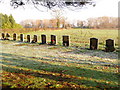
<point x="26" y="65"/>
<point x="78" y="37"/>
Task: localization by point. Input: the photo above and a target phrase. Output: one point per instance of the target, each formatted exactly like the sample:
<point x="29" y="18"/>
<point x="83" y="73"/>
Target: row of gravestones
<point x="66" y="41"/>
<point x="43" y="39"/>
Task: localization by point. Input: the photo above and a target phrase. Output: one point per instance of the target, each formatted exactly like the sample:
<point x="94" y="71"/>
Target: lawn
<point x="34" y="66"/>
<point x="78" y="37"/>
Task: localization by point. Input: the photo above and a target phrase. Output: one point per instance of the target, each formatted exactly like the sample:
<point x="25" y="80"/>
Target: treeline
<point x="57" y="21"/>
<point x="8" y="22"/>
<point x="96" y="23"/>
<point x="99" y="23"/>
<point x="46" y="23"/>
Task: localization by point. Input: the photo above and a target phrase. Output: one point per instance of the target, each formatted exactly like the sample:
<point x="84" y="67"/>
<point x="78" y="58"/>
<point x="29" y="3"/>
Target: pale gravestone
<point x="3" y="36"/>
<point x="93" y="43"/>
<point x="28" y="38"/>
<point x="43" y="38"/>
<point x="109" y="45"/>
<point x="66" y="41"/>
<point x="21" y="37"/>
<point x="14" y="36"/>
<point x="34" y="39"/>
<point x="53" y="39"/>
<point x="7" y="36"/>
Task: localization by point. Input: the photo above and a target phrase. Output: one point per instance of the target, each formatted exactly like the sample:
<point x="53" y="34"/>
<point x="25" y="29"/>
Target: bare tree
<point x="50" y="4"/>
<point x="27" y="23"/>
<point x="80" y="23"/>
<point x="103" y="22"/>
<point x="58" y="15"/>
<point x="63" y="22"/>
<point x="52" y="23"/>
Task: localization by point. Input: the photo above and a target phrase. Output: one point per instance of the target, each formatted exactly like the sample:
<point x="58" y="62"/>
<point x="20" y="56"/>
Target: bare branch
<point x="50" y="4"/>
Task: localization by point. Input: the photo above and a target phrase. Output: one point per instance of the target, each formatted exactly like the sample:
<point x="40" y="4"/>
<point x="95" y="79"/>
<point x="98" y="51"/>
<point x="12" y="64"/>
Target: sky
<point x="102" y="8"/>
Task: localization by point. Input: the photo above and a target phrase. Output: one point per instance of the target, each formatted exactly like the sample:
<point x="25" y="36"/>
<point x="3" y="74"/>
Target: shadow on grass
<point x="33" y="63"/>
<point x="89" y="52"/>
<point x="61" y="79"/>
<point x="81" y="61"/>
<point x="96" y="53"/>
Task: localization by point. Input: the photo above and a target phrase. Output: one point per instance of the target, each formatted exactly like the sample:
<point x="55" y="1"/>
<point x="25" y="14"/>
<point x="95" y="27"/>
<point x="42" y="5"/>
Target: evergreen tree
<point x="12" y="21"/>
<point x="8" y="22"/>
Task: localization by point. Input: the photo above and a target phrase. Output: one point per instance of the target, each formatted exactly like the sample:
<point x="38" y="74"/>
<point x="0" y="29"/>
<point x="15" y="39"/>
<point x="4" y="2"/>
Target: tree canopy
<point x="50" y="4"/>
<point x="8" y="22"/>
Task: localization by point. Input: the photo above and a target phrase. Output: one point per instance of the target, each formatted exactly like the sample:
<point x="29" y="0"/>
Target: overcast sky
<point x="102" y="8"/>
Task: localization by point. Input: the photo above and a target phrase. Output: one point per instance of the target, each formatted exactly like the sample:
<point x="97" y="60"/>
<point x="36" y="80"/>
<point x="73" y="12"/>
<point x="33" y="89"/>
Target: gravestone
<point x="43" y="38"/>
<point x="34" y="39"/>
<point x="14" y="36"/>
<point x="93" y="43"/>
<point x="53" y="39"/>
<point x="109" y="45"/>
<point x="7" y="36"/>
<point x="66" y="41"/>
<point x="3" y="36"/>
<point x="21" y="37"/>
<point x="28" y="38"/>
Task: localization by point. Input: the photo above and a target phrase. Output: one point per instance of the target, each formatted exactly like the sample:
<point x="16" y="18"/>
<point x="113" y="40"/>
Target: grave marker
<point x="14" y="36"/>
<point x="21" y="37"/>
<point x="3" y="36"/>
<point x="93" y="43"/>
<point x="53" y="39"/>
<point x="66" y="41"/>
<point x="34" y="39"/>
<point x="7" y="36"/>
<point x="109" y="45"/>
<point x="28" y="38"/>
<point x="43" y="38"/>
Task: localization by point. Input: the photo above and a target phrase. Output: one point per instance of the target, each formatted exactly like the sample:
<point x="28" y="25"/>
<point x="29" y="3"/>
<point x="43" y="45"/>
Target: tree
<point x="12" y="21"/>
<point x="63" y="22"/>
<point x="58" y="16"/>
<point x="52" y="23"/>
<point x="5" y="22"/>
<point x="103" y="22"/>
<point x="80" y="23"/>
<point x="51" y="4"/>
<point x="8" y="22"/>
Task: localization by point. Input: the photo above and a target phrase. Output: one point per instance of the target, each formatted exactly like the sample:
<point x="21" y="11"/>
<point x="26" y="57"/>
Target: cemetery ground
<point x="32" y="65"/>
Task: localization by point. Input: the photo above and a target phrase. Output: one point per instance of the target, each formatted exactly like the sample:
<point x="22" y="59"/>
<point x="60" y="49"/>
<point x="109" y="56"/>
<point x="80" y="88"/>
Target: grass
<point x="43" y="66"/>
<point x="78" y="37"/>
<point x="81" y="34"/>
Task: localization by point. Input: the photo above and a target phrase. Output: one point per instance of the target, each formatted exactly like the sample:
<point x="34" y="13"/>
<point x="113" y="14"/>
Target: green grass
<point x="78" y="37"/>
<point x="43" y="66"/>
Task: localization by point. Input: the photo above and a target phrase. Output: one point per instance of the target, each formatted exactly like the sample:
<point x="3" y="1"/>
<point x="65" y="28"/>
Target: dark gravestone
<point x="93" y="43"/>
<point x="21" y="37"/>
<point x="66" y="41"/>
<point x="28" y="38"/>
<point x="7" y="36"/>
<point x="53" y="40"/>
<point x="43" y="38"/>
<point x="109" y="45"/>
<point x="3" y="36"/>
<point x="14" y="36"/>
<point x="34" y="39"/>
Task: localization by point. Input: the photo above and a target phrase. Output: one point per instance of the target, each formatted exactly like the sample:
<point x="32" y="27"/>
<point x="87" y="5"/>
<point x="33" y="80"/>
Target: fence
<point x="109" y="47"/>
